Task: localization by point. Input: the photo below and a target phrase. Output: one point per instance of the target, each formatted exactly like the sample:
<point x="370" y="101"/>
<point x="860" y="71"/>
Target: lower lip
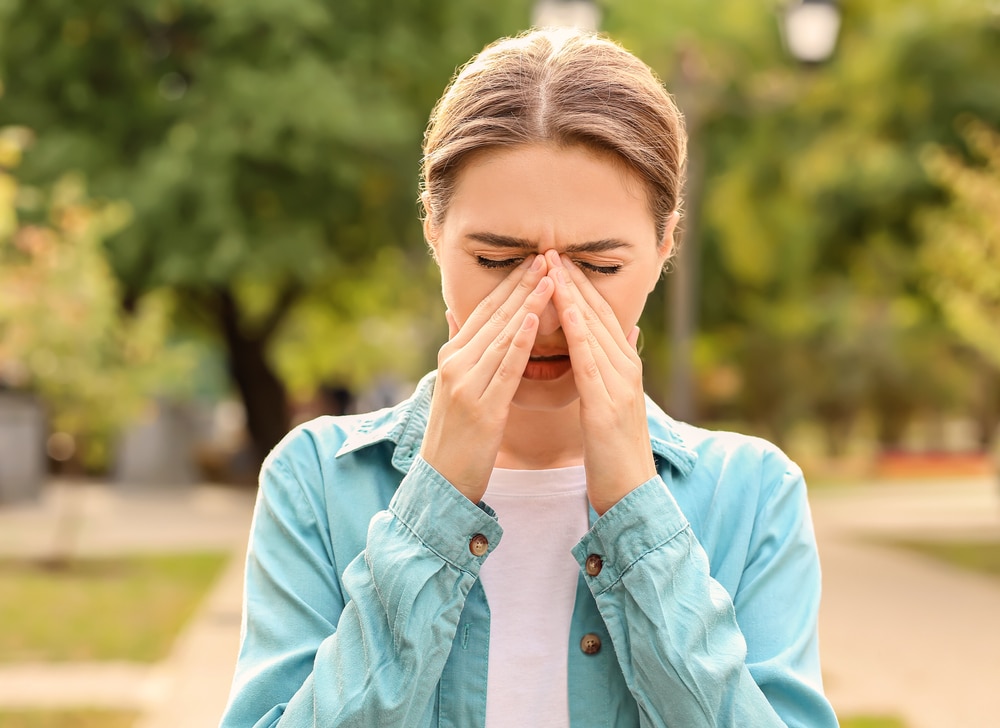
<point x="547" y="369"/>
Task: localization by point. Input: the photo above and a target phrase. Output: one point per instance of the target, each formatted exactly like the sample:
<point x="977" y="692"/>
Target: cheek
<point x="462" y="292"/>
<point x="627" y="298"/>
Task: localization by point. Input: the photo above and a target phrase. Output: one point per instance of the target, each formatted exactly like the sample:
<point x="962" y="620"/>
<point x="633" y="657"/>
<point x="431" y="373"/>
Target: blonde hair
<point x="560" y="86"/>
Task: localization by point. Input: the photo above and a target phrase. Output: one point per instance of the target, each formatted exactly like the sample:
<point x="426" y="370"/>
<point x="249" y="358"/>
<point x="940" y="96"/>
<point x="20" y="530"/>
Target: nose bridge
<point x="548" y="320"/>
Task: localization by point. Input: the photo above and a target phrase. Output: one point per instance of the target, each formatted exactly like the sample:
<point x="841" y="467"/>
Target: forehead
<point x="544" y="190"/>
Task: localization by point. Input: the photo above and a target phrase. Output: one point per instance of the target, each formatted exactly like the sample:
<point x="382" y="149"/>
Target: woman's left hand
<point x="608" y="374"/>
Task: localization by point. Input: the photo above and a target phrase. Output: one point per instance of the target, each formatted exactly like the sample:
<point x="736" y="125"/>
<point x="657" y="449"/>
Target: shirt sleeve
<point x="691" y="654"/>
<point x="367" y="649"/>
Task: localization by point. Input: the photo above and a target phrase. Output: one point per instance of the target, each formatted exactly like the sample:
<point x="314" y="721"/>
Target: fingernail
<point x="571" y="314"/>
<point x="542" y="286"/>
<point x="537" y="263"/>
<point x="560" y="276"/>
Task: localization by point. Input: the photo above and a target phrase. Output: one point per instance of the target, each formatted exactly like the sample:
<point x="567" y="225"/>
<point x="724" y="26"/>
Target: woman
<point x="528" y="540"/>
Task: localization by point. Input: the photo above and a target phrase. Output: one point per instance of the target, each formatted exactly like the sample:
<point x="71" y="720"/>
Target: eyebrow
<point x="510" y="242"/>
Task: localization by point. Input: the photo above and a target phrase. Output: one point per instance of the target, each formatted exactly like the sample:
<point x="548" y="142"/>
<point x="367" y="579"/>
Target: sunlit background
<point x="209" y="232"/>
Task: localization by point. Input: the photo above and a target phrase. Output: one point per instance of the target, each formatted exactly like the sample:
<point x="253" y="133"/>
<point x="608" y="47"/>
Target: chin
<point x="546" y="396"/>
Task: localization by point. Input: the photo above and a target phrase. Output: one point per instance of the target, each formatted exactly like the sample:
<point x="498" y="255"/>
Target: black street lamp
<point x="810" y="29"/>
<point x="582" y="14"/>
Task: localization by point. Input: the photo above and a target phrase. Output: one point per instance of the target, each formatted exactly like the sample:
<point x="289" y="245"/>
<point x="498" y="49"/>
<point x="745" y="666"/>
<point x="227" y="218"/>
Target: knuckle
<point x="500" y="317"/>
<point x="503" y="372"/>
<point x="634" y="378"/>
<point x="591" y="370"/>
<point x="502" y="341"/>
<point x="484" y="305"/>
<point x="444" y="356"/>
<point x="461" y="392"/>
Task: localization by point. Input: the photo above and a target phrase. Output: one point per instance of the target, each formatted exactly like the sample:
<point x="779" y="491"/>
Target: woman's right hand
<point x="479" y="370"/>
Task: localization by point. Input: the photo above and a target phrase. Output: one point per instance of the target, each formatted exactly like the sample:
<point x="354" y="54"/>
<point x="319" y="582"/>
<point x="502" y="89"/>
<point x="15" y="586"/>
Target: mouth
<point x="547" y="367"/>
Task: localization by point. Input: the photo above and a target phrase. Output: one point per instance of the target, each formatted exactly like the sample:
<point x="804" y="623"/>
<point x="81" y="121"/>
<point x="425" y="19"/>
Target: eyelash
<point x="607" y="270"/>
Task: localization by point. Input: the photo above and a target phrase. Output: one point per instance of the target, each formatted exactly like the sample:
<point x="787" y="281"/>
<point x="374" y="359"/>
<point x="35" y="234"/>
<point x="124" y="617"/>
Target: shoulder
<point x="715" y="454"/>
<point x="731" y="476"/>
<point x="305" y="485"/>
<point x="721" y="452"/>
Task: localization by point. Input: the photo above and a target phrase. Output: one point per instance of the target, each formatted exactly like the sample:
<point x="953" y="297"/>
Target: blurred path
<point x="904" y="634"/>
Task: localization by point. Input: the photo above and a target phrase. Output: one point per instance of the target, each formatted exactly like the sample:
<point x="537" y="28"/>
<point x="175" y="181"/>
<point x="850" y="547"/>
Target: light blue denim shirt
<point x="363" y="605"/>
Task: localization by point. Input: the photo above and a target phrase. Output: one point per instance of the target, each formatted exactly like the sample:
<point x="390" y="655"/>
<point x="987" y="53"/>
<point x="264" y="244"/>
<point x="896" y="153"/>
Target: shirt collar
<point x="405" y="423"/>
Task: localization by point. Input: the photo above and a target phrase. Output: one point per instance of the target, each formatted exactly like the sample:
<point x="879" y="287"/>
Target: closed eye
<point x="495" y="264"/>
<point x="607" y="270"/>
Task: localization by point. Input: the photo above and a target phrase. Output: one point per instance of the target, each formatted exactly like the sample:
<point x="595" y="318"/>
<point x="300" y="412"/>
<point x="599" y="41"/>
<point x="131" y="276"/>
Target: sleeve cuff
<point x="444" y="519"/>
<point x="642" y="521"/>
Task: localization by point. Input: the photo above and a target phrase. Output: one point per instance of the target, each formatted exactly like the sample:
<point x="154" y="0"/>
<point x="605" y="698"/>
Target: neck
<point x="541" y="440"/>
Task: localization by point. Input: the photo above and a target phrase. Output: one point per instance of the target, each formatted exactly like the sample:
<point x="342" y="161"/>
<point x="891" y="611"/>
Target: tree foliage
<point x="812" y="196"/>
<point x="268" y="149"/>
<point x="962" y="240"/>
<point x="268" y="152"/>
<point x="63" y="333"/>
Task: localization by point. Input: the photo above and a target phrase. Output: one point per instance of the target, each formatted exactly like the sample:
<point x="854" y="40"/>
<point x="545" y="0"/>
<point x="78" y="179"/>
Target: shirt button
<point x="479" y="545"/>
<point x="590" y="644"/>
<point x="594" y="565"/>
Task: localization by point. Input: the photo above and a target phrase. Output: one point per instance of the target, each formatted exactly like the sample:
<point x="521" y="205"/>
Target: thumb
<point x="452" y="324"/>
<point x="633" y="337"/>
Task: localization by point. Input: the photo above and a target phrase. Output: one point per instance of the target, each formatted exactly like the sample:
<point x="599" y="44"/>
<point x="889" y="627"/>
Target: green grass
<point x="100" y="609"/>
<point x="979" y="556"/>
<point x="871" y="721"/>
<point x="66" y="719"/>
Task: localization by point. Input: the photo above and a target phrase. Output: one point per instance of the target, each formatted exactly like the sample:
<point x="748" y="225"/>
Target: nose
<point x="548" y="320"/>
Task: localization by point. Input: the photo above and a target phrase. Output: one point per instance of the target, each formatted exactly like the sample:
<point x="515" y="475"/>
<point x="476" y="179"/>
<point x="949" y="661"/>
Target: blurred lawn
<point x="100" y="609"/>
<point x="979" y="556"/>
<point x="872" y="721"/>
<point x="67" y="719"/>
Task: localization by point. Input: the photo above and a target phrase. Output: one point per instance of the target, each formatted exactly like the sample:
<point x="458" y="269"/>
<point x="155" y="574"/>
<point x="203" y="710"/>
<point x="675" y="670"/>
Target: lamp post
<point x="682" y="292"/>
<point x="810" y="28"/>
<point x="582" y="14"/>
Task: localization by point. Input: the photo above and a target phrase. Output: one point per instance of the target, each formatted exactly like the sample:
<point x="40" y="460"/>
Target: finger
<point x="585" y="352"/>
<point x="509" y="371"/>
<point x="633" y="338"/>
<point x="477" y="364"/>
<point x="452" y="324"/>
<point x="594" y="300"/>
<point x="490" y="359"/>
<point x="496" y="309"/>
<point x="505" y="319"/>
<point x="616" y="352"/>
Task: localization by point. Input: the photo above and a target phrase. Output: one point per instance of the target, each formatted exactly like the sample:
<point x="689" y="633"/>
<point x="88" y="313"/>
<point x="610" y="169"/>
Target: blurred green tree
<point x="63" y="333"/>
<point x="961" y="251"/>
<point x="812" y="189"/>
<point x="961" y="259"/>
<point x="268" y="149"/>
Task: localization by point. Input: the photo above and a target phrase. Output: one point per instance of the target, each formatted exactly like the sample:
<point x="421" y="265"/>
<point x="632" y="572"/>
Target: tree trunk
<point x="263" y="393"/>
<point x="987" y="410"/>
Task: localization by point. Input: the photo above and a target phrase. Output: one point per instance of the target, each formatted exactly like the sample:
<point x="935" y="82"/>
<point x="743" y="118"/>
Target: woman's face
<point x="521" y="201"/>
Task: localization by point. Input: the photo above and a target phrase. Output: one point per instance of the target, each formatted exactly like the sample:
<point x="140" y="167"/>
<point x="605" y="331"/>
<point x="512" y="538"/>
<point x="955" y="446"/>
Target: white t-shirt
<point x="530" y="581"/>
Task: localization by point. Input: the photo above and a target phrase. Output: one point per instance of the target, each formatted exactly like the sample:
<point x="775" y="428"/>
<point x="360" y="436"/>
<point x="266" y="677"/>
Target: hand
<point x="479" y="370"/>
<point x="608" y="373"/>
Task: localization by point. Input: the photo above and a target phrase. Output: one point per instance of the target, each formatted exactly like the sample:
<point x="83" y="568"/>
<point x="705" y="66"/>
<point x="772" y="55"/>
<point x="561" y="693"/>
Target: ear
<point x="430" y="229"/>
<point x="665" y="247"/>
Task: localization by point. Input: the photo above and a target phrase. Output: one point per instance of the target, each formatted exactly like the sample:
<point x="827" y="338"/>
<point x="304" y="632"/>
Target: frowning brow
<point x="509" y="242"/>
